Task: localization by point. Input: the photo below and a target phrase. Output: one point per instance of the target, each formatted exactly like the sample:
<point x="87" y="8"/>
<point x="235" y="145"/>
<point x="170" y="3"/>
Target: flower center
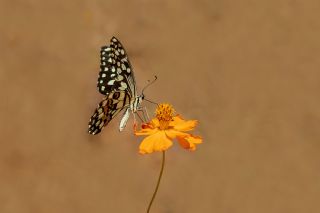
<point x="164" y="113"/>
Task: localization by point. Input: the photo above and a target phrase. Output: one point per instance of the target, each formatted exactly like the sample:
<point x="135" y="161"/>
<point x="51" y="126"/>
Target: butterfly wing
<point x="107" y="109"/>
<point x="115" y="70"/>
<point x="116" y="81"/>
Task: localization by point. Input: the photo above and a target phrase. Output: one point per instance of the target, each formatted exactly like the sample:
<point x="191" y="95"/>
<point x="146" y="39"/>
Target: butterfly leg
<point x="147" y="114"/>
<point x="144" y="113"/>
<point x="135" y="123"/>
<point x="140" y="117"/>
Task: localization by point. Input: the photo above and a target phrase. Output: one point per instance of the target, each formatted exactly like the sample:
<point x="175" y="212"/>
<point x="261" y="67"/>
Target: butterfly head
<point x="140" y="98"/>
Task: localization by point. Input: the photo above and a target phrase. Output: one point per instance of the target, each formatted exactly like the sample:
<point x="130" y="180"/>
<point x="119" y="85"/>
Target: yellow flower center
<point x="164" y="113"/>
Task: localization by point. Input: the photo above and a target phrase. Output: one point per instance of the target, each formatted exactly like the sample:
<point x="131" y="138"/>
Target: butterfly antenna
<point x="150" y="101"/>
<point x="149" y="83"/>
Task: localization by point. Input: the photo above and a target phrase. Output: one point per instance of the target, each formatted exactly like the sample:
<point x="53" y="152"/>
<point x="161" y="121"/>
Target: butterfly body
<point x="116" y="81"/>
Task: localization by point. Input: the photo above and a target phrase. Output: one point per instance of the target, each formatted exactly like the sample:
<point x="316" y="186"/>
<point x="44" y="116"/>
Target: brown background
<point x="247" y="70"/>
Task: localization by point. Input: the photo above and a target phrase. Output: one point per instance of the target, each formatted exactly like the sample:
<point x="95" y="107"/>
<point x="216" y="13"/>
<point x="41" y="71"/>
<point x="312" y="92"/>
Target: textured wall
<point x="247" y="70"/>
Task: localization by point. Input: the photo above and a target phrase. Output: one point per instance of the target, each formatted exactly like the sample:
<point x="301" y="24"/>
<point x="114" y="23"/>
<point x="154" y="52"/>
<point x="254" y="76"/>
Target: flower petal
<point x="180" y="124"/>
<point x="145" y="131"/>
<point x="155" y="142"/>
<point x="189" y="142"/>
<point x="153" y="124"/>
<point x="172" y="134"/>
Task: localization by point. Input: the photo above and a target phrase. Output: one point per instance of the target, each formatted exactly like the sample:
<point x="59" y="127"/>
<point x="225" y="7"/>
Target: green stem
<point x="158" y="183"/>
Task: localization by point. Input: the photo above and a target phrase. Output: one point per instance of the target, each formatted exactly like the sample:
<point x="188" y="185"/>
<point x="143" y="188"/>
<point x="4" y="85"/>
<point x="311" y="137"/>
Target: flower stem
<point x="158" y="183"/>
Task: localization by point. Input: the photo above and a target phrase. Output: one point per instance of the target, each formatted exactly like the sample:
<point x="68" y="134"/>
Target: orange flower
<point x="166" y="127"/>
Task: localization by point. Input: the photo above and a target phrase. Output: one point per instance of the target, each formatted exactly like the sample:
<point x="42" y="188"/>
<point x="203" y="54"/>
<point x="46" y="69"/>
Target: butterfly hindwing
<point x="107" y="109"/>
<point x="115" y="69"/>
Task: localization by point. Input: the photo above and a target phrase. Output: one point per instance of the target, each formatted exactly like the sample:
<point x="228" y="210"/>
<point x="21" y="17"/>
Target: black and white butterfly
<point x="116" y="81"/>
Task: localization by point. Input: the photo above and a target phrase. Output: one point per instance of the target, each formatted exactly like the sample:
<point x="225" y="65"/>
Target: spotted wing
<point x="107" y="109"/>
<point x="115" y="69"/>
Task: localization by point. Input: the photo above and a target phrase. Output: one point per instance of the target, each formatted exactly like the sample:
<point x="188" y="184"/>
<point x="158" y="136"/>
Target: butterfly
<point x="116" y="81"/>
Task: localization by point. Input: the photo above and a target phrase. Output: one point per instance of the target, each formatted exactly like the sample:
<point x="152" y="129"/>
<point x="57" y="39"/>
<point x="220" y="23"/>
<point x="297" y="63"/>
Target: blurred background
<point x="247" y="70"/>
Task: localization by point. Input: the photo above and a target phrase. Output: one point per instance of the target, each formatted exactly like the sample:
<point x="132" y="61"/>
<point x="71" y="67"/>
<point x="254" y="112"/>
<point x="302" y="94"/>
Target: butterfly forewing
<point x="107" y="109"/>
<point x="115" y="69"/>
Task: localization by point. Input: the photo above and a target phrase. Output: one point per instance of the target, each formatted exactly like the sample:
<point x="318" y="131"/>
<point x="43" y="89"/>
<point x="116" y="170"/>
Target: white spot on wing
<point x="111" y="82"/>
<point x="123" y="84"/>
<point x="98" y="122"/>
<point x="100" y="116"/>
<point x="119" y="78"/>
<point x="101" y="125"/>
